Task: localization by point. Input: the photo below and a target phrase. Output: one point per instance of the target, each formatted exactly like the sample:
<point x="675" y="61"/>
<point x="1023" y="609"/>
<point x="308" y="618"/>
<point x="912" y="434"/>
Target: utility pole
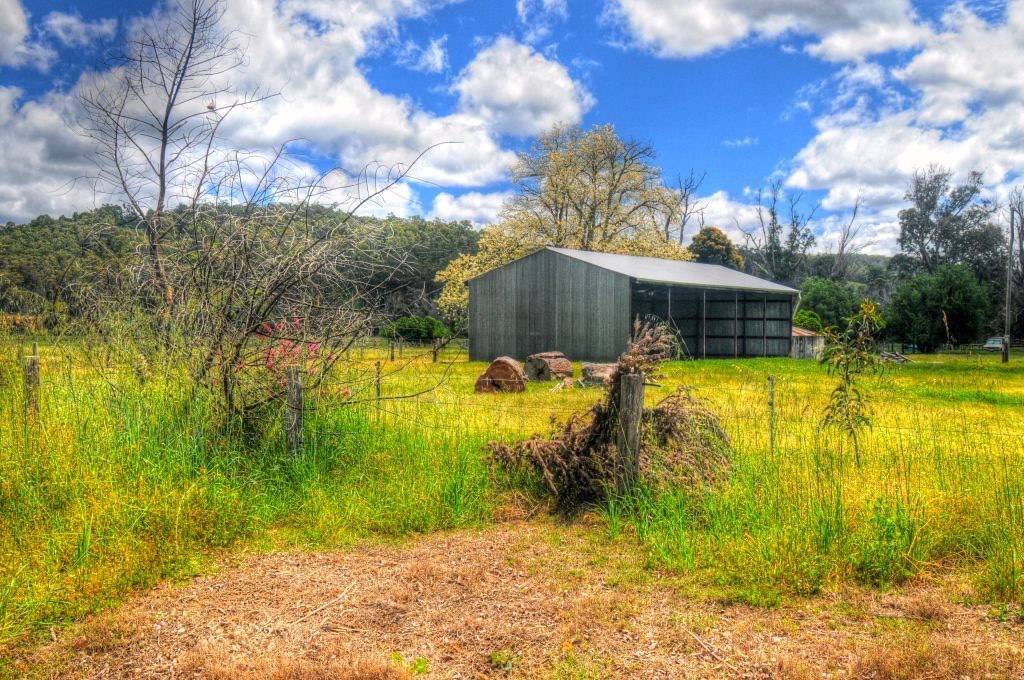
<point x="1009" y="289"/>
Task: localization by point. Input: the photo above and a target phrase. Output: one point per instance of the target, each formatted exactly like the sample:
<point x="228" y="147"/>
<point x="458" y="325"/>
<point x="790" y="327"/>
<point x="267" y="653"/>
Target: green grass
<point x="118" y="485"/>
<point x="114" y="489"/>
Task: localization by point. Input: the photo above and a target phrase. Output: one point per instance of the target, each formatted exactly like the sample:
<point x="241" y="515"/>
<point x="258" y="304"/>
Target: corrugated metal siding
<point x="547" y="301"/>
<point x="591" y="311"/>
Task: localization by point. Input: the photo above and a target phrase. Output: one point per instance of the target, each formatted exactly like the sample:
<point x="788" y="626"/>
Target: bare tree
<point x="155" y="115"/>
<point x="1016" y="204"/>
<point x="848" y="243"/>
<point x="685" y="206"/>
<point x="775" y="250"/>
<point x="255" y="267"/>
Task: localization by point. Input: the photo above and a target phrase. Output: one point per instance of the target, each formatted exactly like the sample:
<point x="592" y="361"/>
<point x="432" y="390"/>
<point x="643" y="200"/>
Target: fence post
<point x="376" y="379"/>
<point x="391" y="347"/>
<point x="69" y="370"/>
<point x="293" y="414"/>
<point x="32" y="382"/>
<point x="771" y="414"/>
<point x="435" y="348"/>
<point x="631" y="412"/>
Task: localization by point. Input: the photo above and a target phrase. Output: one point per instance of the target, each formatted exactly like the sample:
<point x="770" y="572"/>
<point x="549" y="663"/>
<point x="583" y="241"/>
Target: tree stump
<point x="598" y="374"/>
<point x="505" y="374"/>
<point x="547" y="366"/>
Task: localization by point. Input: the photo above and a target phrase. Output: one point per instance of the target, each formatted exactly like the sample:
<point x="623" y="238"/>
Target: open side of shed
<point x="715" y="323"/>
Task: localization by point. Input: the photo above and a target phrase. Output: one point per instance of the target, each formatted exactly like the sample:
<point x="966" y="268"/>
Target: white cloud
<point x="478" y="208"/>
<point x="431" y="58"/>
<point x="13" y="30"/>
<point x="970" y="63"/>
<point x="518" y="91"/>
<point x="74" y="31"/>
<point x="741" y="142"/>
<point x="963" y="111"/>
<point x="43" y="161"/>
<point x="16" y="49"/>
<point x="327" y="110"/>
<point x="688" y="29"/>
<point x="538" y="16"/>
<point x="731" y="216"/>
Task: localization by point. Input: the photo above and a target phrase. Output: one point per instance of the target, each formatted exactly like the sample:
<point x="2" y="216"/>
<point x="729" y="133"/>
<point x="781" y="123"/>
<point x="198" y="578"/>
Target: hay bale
<point x="505" y="374"/>
<point x="598" y="374"/>
<point x="547" y="366"/>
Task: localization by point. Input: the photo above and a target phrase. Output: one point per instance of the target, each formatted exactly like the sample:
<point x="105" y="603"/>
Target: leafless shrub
<point x="247" y="264"/>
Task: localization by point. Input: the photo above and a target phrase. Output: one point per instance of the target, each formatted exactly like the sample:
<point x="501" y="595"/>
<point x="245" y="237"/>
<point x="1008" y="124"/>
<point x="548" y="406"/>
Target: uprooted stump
<point x="547" y="366"/>
<point x="505" y="374"/>
<point x="683" y="443"/>
<point x="598" y="374"/>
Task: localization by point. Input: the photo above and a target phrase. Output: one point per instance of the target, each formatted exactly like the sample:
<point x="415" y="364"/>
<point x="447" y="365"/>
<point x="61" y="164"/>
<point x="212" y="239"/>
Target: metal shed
<point x="583" y="303"/>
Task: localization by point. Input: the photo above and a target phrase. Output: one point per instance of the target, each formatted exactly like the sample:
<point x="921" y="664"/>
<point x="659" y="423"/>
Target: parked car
<point x="993" y="345"/>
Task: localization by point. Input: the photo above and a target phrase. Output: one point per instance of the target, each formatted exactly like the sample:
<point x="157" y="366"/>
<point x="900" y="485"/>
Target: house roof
<point x="658" y="270"/>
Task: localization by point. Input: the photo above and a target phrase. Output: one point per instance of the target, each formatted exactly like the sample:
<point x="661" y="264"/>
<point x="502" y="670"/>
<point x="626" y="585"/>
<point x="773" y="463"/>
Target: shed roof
<point x="675" y="272"/>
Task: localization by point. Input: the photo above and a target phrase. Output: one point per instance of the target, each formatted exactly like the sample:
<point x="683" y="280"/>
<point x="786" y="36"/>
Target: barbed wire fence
<point x="762" y="412"/>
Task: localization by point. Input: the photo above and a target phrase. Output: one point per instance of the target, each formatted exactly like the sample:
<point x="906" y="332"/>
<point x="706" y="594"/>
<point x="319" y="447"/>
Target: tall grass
<point x="940" y="486"/>
<point x="118" y="484"/>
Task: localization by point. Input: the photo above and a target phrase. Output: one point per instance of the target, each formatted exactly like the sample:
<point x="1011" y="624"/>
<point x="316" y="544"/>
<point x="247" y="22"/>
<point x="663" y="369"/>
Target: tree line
<point x="593" y="190"/>
<point x="53" y="267"/>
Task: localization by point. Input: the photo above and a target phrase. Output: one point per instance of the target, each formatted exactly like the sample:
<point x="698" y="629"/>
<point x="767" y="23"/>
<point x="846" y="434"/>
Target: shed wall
<point x="548" y="301"/>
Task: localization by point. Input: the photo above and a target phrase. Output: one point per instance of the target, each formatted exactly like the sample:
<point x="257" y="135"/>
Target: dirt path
<point x="521" y="600"/>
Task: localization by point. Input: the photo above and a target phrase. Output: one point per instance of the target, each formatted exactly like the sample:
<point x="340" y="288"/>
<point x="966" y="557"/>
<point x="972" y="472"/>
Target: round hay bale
<point x="505" y="374"/>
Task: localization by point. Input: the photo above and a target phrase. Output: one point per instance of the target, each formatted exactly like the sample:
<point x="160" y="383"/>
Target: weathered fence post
<point x="293" y="414"/>
<point x="32" y="382"/>
<point x="771" y="414"/>
<point x="391" y="348"/>
<point x="631" y="413"/>
<point x="69" y="371"/>
<point x="435" y="348"/>
<point x="376" y="379"/>
<point x="401" y="347"/>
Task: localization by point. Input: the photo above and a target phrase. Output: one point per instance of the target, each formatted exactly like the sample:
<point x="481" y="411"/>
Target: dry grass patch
<point x="495" y="603"/>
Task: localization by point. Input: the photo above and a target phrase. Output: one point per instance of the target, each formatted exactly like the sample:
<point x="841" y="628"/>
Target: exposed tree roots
<point x="684" y="444"/>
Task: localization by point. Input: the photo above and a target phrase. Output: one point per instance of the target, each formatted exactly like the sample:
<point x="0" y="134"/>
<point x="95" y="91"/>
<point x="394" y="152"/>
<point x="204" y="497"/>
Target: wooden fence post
<point x="293" y="413"/>
<point x="391" y="347"/>
<point x="435" y="348"/>
<point x="631" y="413"/>
<point x="376" y="379"/>
<point x="771" y="414"/>
<point x="32" y="382"/>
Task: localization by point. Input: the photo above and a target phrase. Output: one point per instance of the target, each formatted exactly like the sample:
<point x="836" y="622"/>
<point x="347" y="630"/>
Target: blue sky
<point x="838" y="100"/>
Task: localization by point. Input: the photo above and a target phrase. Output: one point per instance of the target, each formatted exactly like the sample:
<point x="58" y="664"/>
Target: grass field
<point x="118" y="485"/>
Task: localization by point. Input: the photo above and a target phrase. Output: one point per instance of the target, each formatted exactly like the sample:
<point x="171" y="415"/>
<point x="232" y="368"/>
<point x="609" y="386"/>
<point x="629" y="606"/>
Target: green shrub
<point x="808" y="319"/>
<point x="889" y="548"/>
<point x="417" y="328"/>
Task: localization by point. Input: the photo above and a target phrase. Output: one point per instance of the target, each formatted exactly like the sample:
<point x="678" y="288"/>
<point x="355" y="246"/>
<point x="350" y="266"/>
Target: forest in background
<point x="50" y="267"/>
